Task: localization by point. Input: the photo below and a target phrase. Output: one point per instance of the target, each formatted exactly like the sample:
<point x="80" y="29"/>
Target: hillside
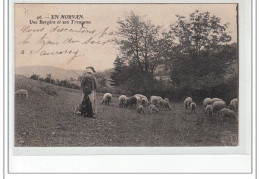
<point x="46" y="119"/>
<point x="57" y="73"/>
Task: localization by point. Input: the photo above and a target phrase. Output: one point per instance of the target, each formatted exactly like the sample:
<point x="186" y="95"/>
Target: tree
<point x="138" y="43"/>
<point x="199" y="32"/>
<point x="118" y="76"/>
<point x="201" y="52"/>
<point x="35" y="77"/>
<point x="49" y="79"/>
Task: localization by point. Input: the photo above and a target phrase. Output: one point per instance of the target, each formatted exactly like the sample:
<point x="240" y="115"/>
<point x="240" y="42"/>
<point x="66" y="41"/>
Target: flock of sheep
<point x="216" y="105"/>
<point x="138" y="101"/>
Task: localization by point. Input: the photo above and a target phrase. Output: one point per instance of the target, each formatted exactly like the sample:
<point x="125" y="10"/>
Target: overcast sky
<point x="101" y="17"/>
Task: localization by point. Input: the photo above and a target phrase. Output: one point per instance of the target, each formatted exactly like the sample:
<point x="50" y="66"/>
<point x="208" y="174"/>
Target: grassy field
<point x="46" y="118"/>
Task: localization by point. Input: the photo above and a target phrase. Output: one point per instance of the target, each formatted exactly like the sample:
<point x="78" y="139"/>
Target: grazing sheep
<point x="193" y="107"/>
<point x="107" y="98"/>
<point x="140" y="96"/>
<point x="22" y="93"/>
<point x="218" y="105"/>
<point x="145" y="101"/>
<point x="140" y="109"/>
<point x="233" y="104"/>
<point x="207" y="101"/>
<point x="141" y="99"/>
<point x="122" y="100"/>
<point x="166" y="99"/>
<point x="215" y="99"/>
<point x="156" y="100"/>
<point x="166" y="104"/>
<point x="227" y="113"/>
<point x="187" y="102"/>
<point x="209" y="110"/>
<point x="152" y="108"/>
<point x="160" y="98"/>
<point x="132" y="101"/>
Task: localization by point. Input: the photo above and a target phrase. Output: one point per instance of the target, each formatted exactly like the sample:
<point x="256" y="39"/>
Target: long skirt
<point x="92" y="97"/>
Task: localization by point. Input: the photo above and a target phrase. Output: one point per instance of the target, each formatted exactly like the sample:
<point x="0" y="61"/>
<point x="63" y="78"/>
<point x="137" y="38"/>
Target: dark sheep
<point x="132" y="101"/>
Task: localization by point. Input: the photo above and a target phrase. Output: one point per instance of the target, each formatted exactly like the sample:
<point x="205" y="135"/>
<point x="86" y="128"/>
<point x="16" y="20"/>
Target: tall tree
<point x="118" y="77"/>
<point x="199" y="32"/>
<point x="201" y="51"/>
<point x="138" y="42"/>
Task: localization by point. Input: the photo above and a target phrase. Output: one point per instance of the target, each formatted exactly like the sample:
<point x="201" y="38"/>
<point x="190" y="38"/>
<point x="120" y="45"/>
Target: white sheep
<point x="193" y="107"/>
<point x="166" y="99"/>
<point x="165" y="104"/>
<point x="139" y="99"/>
<point x="209" y="110"/>
<point x="145" y="101"/>
<point x="152" y="108"/>
<point x="107" y="98"/>
<point x="122" y="100"/>
<point x="218" y="105"/>
<point x="234" y="104"/>
<point x="140" y="109"/>
<point x="140" y="96"/>
<point x="187" y="102"/>
<point x="215" y="99"/>
<point x="154" y="100"/>
<point x="22" y="93"/>
<point x="207" y="101"/>
<point x="227" y="113"/>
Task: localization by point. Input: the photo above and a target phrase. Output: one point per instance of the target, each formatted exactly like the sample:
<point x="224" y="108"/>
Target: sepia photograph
<point x="126" y="75"/>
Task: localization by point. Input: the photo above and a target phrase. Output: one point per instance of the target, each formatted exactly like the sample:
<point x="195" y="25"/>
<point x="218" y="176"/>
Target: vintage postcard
<point x="126" y="75"/>
<point x="147" y="79"/>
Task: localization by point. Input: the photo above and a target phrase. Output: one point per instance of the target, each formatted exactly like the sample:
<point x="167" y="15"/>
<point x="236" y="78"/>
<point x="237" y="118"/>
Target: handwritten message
<point x="66" y="37"/>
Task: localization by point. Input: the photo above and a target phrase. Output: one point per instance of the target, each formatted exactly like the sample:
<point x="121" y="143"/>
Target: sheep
<point x="166" y="104"/>
<point x="218" y="105"/>
<point x="152" y="108"/>
<point x="138" y="99"/>
<point x="207" y="101"/>
<point x="166" y="99"/>
<point x="145" y="102"/>
<point x="141" y="99"/>
<point x="227" y="113"/>
<point x="209" y="110"/>
<point x="140" y="96"/>
<point x="187" y="102"/>
<point x="215" y="99"/>
<point x="233" y="104"/>
<point x="22" y="93"/>
<point x="156" y="100"/>
<point x="140" y="109"/>
<point x="132" y="101"/>
<point x="193" y="107"/>
<point x="107" y="98"/>
<point x="160" y="98"/>
<point x="122" y="100"/>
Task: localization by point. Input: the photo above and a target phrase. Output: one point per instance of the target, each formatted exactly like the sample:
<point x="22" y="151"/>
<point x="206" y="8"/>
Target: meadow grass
<point x="48" y="120"/>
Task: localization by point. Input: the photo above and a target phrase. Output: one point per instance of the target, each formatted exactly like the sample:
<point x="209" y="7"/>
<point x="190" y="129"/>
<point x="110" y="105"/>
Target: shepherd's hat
<point x="90" y="69"/>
